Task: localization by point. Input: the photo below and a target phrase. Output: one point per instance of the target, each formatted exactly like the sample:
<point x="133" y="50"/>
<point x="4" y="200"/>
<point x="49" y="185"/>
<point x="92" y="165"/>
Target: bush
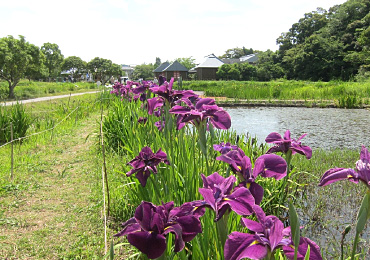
<point x="17" y="115"/>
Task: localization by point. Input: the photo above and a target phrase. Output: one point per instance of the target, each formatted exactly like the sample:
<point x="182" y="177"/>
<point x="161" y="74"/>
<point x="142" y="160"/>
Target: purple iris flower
<point x="153" y="104"/>
<point x="267" y="165"/>
<point x="161" y="80"/>
<point x="142" y="120"/>
<point x="147" y="230"/>
<point x="203" y="110"/>
<point x="361" y="173"/>
<point x="304" y="242"/>
<point x="145" y="163"/>
<point x="224" y="148"/>
<point x="219" y="195"/>
<point x="284" y="144"/>
<point x="172" y="96"/>
<point x="268" y="234"/>
<point x="160" y="124"/>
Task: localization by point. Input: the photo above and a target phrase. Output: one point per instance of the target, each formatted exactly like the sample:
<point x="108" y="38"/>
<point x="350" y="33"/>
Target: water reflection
<point x="327" y="128"/>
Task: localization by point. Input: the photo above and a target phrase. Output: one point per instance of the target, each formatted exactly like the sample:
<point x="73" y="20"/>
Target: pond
<point x="324" y="211"/>
<point x="327" y="128"/>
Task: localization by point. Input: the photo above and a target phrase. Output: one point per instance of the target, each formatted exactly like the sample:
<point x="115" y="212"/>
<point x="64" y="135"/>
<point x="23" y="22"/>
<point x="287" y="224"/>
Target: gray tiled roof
<point x="211" y="62"/>
<point x="251" y="58"/>
<point x="161" y="67"/>
<point x="176" y="66"/>
<point x="231" y="61"/>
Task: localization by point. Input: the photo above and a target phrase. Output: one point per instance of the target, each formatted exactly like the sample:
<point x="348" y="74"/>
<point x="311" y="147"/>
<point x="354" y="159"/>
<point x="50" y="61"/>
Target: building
<point x="127" y="70"/>
<point x="173" y="70"/>
<point x="207" y="70"/>
<point x="159" y="70"/>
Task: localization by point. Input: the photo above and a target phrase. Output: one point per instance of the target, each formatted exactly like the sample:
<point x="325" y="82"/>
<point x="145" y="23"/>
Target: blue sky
<point x="138" y="31"/>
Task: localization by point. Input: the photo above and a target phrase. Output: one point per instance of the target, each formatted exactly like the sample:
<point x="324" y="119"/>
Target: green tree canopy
<point x="157" y="62"/>
<point x="327" y="45"/>
<point x="143" y="71"/>
<point x="16" y="57"/>
<point x="74" y="64"/>
<point x="103" y="69"/>
<point x="236" y="53"/>
<point x="54" y="58"/>
<point x="189" y="62"/>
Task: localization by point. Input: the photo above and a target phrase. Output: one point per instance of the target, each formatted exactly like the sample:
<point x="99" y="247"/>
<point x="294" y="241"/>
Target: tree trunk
<point x="11" y="90"/>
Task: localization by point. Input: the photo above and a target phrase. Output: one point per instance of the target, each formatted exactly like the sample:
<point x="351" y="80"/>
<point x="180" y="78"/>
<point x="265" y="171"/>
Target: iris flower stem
<point x="203" y="142"/>
<point x="288" y="158"/>
<point x="222" y="228"/>
<point x="270" y="256"/>
<point x="362" y="218"/>
<point x="162" y="257"/>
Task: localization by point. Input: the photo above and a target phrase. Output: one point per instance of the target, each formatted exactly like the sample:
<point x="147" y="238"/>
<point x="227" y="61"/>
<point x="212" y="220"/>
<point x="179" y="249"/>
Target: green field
<point x="340" y="93"/>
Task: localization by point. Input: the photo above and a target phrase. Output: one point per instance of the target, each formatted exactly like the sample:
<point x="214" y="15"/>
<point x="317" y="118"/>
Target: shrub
<point x="17" y="115"/>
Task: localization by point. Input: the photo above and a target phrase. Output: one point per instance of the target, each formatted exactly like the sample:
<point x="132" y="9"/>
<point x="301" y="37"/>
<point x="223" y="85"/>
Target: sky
<point x="137" y="31"/>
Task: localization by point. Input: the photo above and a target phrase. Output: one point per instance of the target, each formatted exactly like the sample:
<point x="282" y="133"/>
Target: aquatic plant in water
<point x="360" y="174"/>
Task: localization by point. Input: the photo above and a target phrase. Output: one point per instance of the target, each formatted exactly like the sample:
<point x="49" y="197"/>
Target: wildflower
<point x="285" y="144"/>
<point x="145" y="163"/>
<point x="267" y="165"/>
<point x="361" y="173"/>
<point x="147" y="230"/>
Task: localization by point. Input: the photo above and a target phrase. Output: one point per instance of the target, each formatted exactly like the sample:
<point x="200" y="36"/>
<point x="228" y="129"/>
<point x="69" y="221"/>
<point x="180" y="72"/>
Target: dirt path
<point x="54" y="213"/>
<point x="10" y="103"/>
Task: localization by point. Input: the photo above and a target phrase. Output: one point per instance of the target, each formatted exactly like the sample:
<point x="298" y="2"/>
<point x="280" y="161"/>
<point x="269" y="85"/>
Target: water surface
<point x="327" y="128"/>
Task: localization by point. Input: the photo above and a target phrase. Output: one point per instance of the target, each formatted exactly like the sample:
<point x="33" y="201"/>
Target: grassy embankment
<point x="53" y="207"/>
<point x="33" y="89"/>
<point x="288" y="92"/>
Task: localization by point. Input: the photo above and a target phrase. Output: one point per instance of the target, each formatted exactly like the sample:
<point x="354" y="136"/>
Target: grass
<point x="33" y="89"/>
<point x="339" y="93"/>
<point x="53" y="207"/>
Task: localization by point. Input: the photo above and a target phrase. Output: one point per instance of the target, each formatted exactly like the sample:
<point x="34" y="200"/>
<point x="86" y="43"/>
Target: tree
<point x="268" y="66"/>
<point x="143" y="71"/>
<point x="189" y="62"/>
<point x="103" y="69"/>
<point x="36" y="69"/>
<point x="54" y="58"/>
<point x="75" y="65"/>
<point x="157" y="62"/>
<point x="236" y="53"/>
<point x="228" y="72"/>
<point x="16" y="56"/>
<point x="319" y="58"/>
<point x="247" y="71"/>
